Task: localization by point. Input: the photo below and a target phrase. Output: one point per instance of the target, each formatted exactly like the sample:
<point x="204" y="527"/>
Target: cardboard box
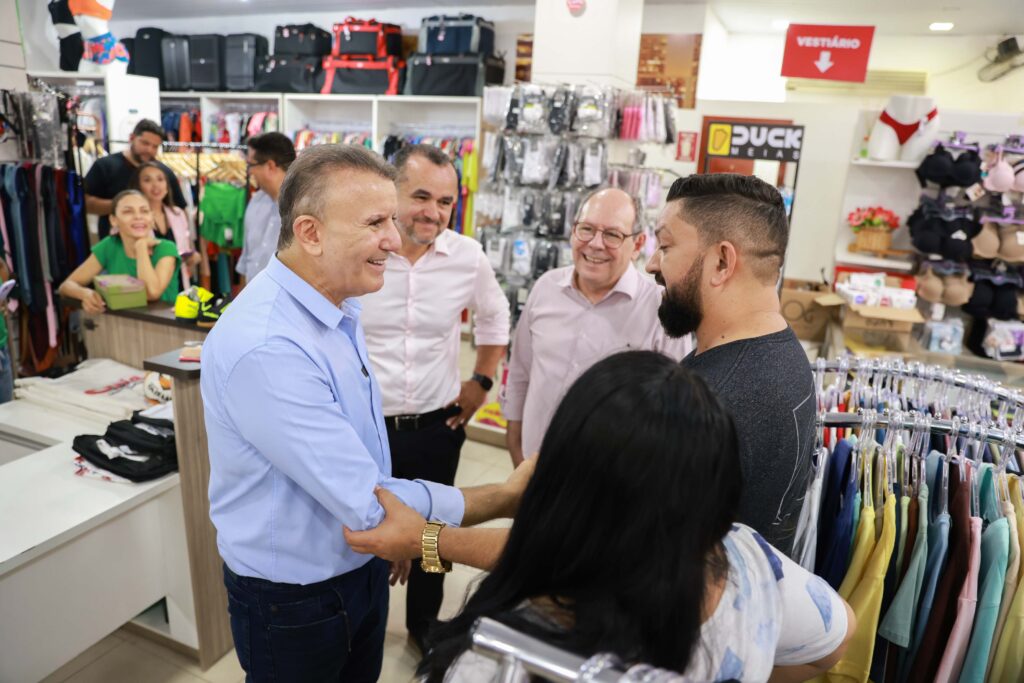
<point x="870" y="330"/>
<point x="808" y="319"/>
<point x="121" y="291"/>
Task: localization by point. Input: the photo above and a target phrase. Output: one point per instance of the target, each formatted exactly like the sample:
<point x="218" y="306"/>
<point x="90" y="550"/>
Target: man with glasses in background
<point x="268" y="158"/>
<point x="576" y="315"/>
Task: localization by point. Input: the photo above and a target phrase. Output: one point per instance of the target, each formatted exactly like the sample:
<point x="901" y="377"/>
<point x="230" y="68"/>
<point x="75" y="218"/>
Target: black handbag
<point x="278" y="73"/>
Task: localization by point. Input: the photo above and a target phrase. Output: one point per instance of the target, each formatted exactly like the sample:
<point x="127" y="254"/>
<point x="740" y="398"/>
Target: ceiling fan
<point x="1004" y="58"/>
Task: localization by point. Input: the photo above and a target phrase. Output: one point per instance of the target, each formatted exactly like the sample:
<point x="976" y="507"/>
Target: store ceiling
<point x="906" y="17"/>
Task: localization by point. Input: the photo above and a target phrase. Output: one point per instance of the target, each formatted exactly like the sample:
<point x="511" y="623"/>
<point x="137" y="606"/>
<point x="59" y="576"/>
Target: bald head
<point x="612" y="199"/>
<point x="611" y="218"/>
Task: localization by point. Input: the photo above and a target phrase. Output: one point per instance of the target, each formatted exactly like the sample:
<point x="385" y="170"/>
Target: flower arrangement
<point x="873" y="218"/>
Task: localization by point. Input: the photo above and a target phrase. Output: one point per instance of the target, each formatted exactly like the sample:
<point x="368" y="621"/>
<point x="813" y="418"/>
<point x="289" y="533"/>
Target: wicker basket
<point x="873" y="240"/>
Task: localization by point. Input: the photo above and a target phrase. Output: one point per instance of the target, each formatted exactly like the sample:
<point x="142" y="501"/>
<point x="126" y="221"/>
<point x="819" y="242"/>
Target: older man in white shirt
<point x="576" y="315"/>
<point x="413" y="332"/>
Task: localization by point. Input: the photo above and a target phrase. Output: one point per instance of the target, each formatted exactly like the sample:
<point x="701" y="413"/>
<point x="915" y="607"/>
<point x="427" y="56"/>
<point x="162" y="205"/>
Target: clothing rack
<point x="518" y="653"/>
<point x="957" y="427"/>
<point x="923" y="372"/>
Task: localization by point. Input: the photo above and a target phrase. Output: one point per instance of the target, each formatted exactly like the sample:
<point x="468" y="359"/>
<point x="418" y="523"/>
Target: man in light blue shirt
<point x="297" y="440"/>
<point x="268" y="158"/>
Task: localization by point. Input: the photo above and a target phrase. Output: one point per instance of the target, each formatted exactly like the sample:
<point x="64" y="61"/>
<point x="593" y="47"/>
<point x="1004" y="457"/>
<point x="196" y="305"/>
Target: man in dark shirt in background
<point x="721" y="244"/>
<point x="112" y="173"/>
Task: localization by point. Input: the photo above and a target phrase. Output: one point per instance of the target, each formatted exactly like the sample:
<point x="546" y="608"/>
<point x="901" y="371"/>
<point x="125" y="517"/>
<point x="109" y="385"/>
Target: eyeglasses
<point x="611" y="238"/>
<point x="254" y="164"/>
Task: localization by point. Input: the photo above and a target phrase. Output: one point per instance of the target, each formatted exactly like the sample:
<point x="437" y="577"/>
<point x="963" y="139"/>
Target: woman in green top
<point x="133" y="251"/>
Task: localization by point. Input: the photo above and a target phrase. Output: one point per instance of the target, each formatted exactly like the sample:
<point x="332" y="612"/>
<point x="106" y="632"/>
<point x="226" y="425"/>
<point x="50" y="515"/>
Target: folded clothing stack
<point x="139" y="449"/>
<point x="100" y="388"/>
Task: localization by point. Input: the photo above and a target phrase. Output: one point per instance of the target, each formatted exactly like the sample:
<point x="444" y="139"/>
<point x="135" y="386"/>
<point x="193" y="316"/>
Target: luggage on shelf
<point x="241" y="54"/>
<point x="177" y="66"/>
<point x="147" y="57"/>
<point x="206" y="55"/>
<point x="456" y="35"/>
<point x="285" y="73"/>
<point x="361" y="77"/>
<point x="301" y="39"/>
<point x="464" y="75"/>
<point x="367" y="39"/>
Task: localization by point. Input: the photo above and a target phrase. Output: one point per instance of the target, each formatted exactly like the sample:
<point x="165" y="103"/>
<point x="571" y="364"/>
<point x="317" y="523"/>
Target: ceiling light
<point x="780" y="24"/>
<point x="941" y="26"/>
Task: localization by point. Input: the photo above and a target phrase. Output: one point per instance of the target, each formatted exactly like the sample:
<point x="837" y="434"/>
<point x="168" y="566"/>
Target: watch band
<point x="431" y="562"/>
<point x="483" y="380"/>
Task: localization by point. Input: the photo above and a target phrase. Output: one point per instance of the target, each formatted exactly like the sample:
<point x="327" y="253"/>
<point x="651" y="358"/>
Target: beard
<point x="681" y="311"/>
<point x="410" y="232"/>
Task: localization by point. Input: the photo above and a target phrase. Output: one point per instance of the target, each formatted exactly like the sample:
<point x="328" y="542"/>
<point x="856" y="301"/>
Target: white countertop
<point x="43" y="504"/>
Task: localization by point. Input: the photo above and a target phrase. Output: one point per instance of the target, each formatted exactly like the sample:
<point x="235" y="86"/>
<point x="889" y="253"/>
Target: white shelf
<point x="316" y="97"/>
<point x="73" y="76"/>
<point x="847" y="258"/>
<point x="886" y="164"/>
<point x="427" y="99"/>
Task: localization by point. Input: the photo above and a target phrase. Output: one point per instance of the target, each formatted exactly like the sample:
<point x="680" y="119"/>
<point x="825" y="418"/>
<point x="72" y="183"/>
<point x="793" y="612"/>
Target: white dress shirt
<point x="560" y="335"/>
<point x="413" y="324"/>
<point x="262" y="228"/>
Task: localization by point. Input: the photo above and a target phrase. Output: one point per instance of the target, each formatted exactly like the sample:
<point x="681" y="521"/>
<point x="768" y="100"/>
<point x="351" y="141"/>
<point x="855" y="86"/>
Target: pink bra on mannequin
<point x="1000" y="176"/>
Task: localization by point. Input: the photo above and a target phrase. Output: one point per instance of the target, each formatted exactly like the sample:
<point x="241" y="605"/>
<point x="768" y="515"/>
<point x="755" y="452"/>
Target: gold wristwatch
<point x="431" y="563"/>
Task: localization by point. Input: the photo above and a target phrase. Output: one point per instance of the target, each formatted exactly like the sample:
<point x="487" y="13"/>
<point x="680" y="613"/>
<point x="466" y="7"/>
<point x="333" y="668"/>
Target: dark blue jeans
<point x="327" y="631"/>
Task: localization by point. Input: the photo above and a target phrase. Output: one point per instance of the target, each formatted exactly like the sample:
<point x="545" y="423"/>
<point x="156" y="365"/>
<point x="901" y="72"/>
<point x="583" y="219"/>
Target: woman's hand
<point x="145" y="247"/>
<point x="92" y="302"/>
<point x="194" y="259"/>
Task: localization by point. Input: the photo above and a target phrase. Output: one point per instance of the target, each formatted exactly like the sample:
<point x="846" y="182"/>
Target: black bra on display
<point x="940" y="168"/>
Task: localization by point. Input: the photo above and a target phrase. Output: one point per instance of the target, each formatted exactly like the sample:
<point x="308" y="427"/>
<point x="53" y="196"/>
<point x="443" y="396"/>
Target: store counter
<point x="132" y="335"/>
<point x="79" y="557"/>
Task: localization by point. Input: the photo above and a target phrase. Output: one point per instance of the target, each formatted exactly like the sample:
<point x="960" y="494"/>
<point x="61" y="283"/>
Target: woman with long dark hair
<point x="625" y="542"/>
<point x="169" y="222"/>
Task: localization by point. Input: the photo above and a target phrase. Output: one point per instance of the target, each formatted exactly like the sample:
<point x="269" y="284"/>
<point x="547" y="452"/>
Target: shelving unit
<point x="212" y="103"/>
<point x="382" y="115"/>
<point x="892" y="184"/>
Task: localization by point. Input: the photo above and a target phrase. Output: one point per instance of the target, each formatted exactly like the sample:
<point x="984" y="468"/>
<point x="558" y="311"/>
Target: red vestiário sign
<point x="833" y="53"/>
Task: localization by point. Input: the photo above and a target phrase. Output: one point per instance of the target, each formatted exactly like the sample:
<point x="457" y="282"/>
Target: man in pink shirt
<point x="579" y="314"/>
<point x="413" y="331"/>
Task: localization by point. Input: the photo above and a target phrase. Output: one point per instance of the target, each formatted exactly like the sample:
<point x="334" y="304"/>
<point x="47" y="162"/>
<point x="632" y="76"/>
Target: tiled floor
<point x="124" y="657"/>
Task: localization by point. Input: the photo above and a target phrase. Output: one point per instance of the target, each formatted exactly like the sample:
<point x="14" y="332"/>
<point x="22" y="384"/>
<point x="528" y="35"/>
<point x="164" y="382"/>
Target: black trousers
<point x="431" y="454"/>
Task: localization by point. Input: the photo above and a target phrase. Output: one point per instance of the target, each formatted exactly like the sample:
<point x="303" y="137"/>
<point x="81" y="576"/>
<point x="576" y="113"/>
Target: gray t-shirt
<point x="767" y="384"/>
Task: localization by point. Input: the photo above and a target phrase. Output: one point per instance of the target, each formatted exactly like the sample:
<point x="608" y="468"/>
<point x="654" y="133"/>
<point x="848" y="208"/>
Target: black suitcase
<point x="243" y="51"/>
<point x="148" y="55"/>
<point x="464" y="75"/>
<point x="285" y="73"/>
<point x="302" y="39"/>
<point x="177" y="67"/>
<point x="206" y="56"/>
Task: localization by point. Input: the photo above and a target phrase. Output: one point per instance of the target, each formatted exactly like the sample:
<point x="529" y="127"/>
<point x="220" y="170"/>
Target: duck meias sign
<point x="770" y="142"/>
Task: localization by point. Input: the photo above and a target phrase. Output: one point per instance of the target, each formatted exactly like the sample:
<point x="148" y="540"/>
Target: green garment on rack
<point x="223" y="209"/>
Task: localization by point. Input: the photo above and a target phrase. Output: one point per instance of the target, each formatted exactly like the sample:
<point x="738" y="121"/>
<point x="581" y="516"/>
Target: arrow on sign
<point x="824" y="62"/>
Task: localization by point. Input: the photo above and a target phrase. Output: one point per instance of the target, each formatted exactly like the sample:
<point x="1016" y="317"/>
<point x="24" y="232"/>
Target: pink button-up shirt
<point x="561" y="334"/>
<point x="413" y="324"/>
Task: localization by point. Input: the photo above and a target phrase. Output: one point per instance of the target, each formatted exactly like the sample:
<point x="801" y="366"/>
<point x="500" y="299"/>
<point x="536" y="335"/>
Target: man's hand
<point x="471" y="397"/>
<point x="517" y="482"/>
<point x="93" y="302"/>
<point x="397" y="538"/>
<point x="400" y="572"/>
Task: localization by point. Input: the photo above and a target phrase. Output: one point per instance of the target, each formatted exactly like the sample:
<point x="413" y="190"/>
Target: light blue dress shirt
<point x="296" y="434"/>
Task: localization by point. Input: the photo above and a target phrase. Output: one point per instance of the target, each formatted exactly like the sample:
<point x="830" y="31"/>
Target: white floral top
<point x="773" y="612"/>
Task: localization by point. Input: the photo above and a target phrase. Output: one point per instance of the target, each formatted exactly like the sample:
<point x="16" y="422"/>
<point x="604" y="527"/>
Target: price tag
<point x="975" y="192"/>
